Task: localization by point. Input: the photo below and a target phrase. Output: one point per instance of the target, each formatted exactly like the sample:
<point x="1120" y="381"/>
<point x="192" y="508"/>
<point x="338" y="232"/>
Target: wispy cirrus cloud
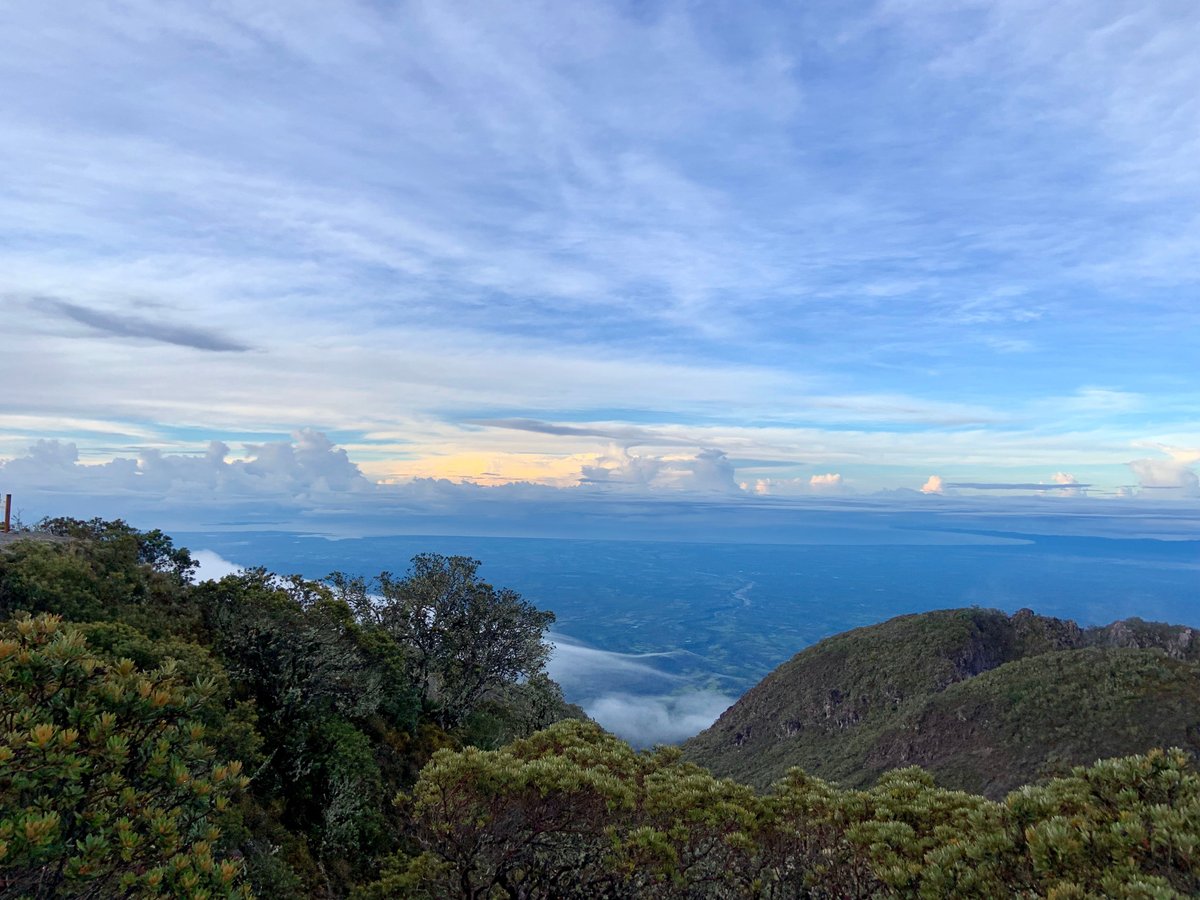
<point x="875" y="239"/>
<point x="627" y="435"/>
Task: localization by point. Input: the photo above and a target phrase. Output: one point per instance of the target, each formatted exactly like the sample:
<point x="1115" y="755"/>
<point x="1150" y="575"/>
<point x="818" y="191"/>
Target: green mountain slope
<point x="984" y="700"/>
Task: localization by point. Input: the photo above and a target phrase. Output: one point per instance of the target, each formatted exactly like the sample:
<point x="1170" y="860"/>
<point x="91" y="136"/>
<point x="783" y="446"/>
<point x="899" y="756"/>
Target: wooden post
<point x="7" y="512"/>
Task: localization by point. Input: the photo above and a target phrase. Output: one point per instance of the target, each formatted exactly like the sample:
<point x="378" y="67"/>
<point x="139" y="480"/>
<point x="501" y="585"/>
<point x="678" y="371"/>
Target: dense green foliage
<point x="1039" y="716"/>
<point x="107" y="786"/>
<point x="329" y="698"/>
<point x="985" y="701"/>
<point x="398" y="737"/>
<point x="573" y="812"/>
<point x="463" y="636"/>
<point x="100" y="570"/>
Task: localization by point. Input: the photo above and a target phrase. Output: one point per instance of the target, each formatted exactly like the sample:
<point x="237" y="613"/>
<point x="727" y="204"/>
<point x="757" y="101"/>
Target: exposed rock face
<point x="1177" y="641"/>
<point x="944" y="690"/>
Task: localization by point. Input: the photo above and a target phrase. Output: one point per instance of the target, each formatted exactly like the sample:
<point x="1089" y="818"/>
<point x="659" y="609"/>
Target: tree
<point x="574" y="812"/>
<point x="107" y="785"/>
<point x="516" y="711"/>
<point x="100" y="571"/>
<point x="152" y="548"/>
<point x="462" y="636"/>
<point x="290" y="646"/>
<point x="529" y="820"/>
<point x="324" y="700"/>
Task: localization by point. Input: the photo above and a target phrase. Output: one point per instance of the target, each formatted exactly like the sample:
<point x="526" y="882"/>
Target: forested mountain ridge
<point x="271" y="736"/>
<point x="985" y="701"/>
<point x="120" y="674"/>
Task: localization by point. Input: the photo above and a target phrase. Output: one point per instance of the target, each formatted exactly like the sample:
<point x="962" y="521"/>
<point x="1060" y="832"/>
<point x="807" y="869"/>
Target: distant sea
<point x="658" y="637"/>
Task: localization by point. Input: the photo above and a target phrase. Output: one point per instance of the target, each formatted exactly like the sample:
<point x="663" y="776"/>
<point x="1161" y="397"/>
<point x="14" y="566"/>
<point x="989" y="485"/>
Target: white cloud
<point x="1102" y="400"/>
<point x="1124" y="70"/>
<point x="213" y="567"/>
<point x="482" y="94"/>
<point x="308" y="464"/>
<point x="634" y="695"/>
<point x="584" y="671"/>
<point x="1068" y="481"/>
<point x="648" y="720"/>
<point x="1185" y="455"/>
<point x="43" y="457"/>
<point x="826" y="484"/>
<point x="708" y="471"/>
<point x="1170" y="478"/>
<point x="830" y="481"/>
<point x="1166" y="478"/>
<point x="308" y="476"/>
<point x="933" y="485"/>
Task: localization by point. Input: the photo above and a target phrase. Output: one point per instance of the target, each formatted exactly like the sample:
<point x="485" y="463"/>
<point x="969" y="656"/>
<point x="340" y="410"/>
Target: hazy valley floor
<point x="657" y="638"/>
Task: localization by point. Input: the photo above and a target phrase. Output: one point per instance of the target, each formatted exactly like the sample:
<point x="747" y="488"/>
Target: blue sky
<point x="740" y="249"/>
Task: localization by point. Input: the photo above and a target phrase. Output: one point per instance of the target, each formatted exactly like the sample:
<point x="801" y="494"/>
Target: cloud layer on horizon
<point x="310" y="484"/>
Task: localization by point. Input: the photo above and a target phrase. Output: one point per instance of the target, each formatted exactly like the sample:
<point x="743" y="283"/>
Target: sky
<point x="598" y="252"/>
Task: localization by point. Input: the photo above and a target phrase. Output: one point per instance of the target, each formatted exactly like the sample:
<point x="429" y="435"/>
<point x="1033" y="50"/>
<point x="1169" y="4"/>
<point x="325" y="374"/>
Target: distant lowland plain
<point x="656" y="638"/>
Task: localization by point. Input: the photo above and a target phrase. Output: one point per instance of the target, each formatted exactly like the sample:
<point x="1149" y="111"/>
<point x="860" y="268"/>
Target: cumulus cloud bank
<point x="1172" y="478"/>
<point x="709" y="471"/>
<point x="827" y="483"/>
<point x="308" y="483"/>
<point x="1166" y="477"/>
<point x="309" y="463"/>
<point x="1061" y="484"/>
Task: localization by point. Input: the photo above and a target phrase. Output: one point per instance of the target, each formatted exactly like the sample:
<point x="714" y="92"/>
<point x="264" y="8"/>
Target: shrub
<point x="107" y="787"/>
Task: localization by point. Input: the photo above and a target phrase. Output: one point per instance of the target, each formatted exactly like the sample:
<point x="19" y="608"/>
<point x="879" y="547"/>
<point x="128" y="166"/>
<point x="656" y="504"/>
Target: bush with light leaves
<point x="107" y="786"/>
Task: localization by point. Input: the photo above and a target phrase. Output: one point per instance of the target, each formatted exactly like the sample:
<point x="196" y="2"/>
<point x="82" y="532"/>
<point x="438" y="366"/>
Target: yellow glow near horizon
<point x="489" y="468"/>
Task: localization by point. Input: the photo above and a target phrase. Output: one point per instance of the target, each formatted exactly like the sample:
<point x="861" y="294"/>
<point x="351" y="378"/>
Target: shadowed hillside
<point x="983" y="700"/>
